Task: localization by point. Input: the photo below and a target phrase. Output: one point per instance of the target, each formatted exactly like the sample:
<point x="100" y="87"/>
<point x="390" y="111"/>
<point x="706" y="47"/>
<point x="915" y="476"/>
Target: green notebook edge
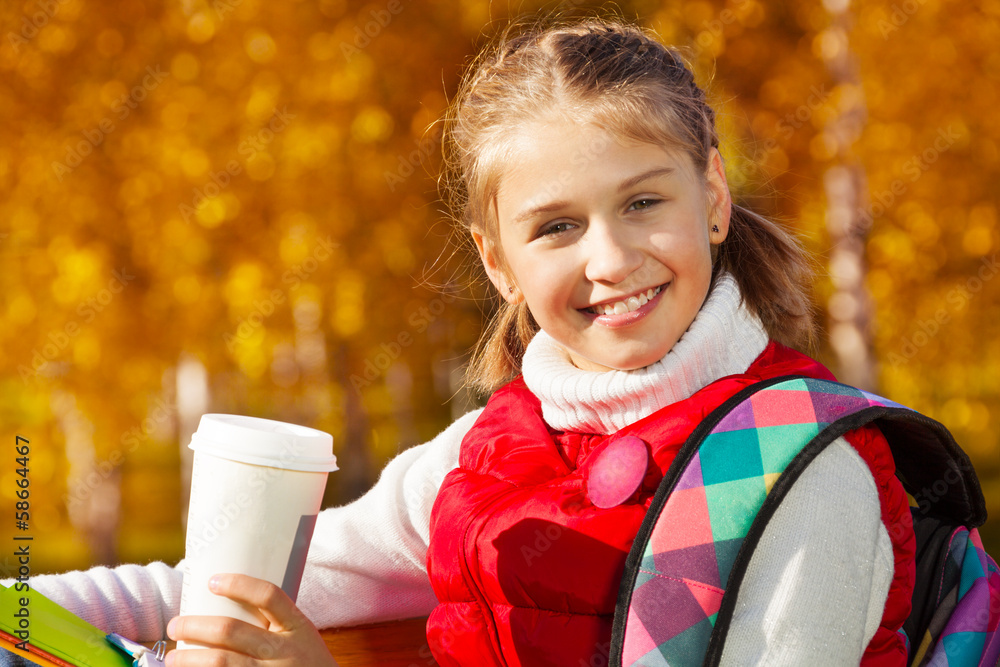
<point x="58" y="631"/>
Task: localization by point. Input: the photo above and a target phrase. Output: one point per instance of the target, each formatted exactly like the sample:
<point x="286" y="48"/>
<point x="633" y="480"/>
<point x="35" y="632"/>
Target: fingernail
<point x="213" y="583"/>
<point x="169" y="661"/>
<point x="171" y="626"/>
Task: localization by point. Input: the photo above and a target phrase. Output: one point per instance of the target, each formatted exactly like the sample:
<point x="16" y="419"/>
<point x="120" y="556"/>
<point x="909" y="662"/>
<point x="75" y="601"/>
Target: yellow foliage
<point x="230" y="207"/>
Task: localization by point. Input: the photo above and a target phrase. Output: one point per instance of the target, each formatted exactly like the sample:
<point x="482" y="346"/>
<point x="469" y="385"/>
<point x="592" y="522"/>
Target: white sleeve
<point x="816" y="586"/>
<point x="366" y="562"/>
<point x="133" y="600"/>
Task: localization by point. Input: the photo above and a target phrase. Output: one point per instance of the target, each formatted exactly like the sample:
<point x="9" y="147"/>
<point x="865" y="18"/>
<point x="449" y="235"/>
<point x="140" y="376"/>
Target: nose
<point x="611" y="255"/>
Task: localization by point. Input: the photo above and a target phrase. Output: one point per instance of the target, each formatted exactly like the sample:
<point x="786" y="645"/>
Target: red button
<point x="617" y="471"/>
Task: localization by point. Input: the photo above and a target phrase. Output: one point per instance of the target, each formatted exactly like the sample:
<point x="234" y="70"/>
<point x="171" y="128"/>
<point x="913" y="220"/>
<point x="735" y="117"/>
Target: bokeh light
<point x="230" y="206"/>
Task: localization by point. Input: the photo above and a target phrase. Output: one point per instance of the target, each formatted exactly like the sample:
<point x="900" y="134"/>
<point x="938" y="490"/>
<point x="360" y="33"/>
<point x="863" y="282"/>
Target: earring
<point x="715" y="228"/>
<point x="510" y="289"/>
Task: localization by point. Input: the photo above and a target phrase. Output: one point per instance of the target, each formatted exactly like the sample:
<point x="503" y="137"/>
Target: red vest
<point x="527" y="569"/>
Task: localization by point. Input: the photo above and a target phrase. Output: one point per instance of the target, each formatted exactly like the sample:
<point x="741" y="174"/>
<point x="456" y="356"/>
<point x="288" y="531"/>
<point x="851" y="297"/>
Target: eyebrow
<point x="624" y="185"/>
<point x="532" y="212"/>
<point x="652" y="173"/>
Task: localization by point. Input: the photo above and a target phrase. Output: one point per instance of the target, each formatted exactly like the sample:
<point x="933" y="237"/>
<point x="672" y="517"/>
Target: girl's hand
<point x="290" y="640"/>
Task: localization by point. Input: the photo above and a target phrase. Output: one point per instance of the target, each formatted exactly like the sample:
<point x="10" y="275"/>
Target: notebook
<point x="53" y="635"/>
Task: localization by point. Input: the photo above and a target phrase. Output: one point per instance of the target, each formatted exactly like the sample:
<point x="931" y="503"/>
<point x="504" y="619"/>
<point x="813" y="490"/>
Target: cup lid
<point x="264" y="442"/>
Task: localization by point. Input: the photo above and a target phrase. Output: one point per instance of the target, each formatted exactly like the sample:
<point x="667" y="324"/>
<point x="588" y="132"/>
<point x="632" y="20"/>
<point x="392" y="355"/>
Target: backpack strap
<point x="684" y="570"/>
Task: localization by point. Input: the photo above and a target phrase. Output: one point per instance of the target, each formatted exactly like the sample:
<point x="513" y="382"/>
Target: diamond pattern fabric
<point x="690" y="553"/>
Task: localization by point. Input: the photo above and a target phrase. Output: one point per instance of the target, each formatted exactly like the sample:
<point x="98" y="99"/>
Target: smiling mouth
<point x="631" y="304"/>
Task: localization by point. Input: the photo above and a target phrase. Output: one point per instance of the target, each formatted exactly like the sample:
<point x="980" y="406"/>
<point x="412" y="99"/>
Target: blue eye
<point x="555" y="228"/>
<point x="641" y="204"/>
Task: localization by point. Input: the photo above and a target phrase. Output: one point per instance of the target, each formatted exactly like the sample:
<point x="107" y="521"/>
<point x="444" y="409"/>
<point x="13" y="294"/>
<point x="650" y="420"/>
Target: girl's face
<point x="608" y="242"/>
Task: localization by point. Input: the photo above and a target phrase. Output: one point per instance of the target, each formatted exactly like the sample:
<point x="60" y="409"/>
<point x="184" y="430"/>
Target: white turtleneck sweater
<point x="814" y="591"/>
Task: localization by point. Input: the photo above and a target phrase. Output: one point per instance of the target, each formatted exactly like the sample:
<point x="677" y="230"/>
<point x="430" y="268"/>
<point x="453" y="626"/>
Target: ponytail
<point x="497" y="358"/>
<point x="773" y="272"/>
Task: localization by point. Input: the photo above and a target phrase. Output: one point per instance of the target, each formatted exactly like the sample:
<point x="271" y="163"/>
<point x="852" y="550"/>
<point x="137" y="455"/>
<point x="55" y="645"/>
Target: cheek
<point x="684" y="253"/>
<point x="547" y="286"/>
<point x="548" y="290"/>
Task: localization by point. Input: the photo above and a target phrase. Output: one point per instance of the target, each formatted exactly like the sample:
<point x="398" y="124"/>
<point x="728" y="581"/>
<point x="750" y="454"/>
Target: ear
<point x="489" y="254"/>
<point x="720" y="202"/>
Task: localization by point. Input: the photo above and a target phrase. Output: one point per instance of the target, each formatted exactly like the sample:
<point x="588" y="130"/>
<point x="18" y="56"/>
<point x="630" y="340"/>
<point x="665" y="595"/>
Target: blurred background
<point x="231" y="206"/>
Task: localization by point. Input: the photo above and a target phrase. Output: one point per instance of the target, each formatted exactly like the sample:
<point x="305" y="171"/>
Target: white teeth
<point x="629" y="305"/>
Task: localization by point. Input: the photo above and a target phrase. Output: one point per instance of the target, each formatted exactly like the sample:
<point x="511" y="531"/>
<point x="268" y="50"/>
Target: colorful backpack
<point x="956" y="599"/>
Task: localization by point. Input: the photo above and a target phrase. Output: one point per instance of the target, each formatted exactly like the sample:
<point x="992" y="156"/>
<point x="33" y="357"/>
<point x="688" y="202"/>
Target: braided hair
<point x="621" y="78"/>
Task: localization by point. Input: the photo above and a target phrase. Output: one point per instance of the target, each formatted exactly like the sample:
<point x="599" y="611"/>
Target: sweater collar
<point x="723" y="339"/>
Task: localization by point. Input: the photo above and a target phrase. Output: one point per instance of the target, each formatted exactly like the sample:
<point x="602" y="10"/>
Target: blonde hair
<point x="615" y="75"/>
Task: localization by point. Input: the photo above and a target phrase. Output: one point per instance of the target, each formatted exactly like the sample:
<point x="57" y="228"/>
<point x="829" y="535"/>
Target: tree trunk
<point x="845" y="183"/>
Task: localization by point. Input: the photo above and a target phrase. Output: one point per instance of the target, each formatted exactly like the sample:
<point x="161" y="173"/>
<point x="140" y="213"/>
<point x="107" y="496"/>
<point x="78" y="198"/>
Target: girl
<point x="584" y="164"/>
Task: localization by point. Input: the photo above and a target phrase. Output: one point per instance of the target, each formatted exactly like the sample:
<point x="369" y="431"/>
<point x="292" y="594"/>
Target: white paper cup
<point x="256" y="489"/>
